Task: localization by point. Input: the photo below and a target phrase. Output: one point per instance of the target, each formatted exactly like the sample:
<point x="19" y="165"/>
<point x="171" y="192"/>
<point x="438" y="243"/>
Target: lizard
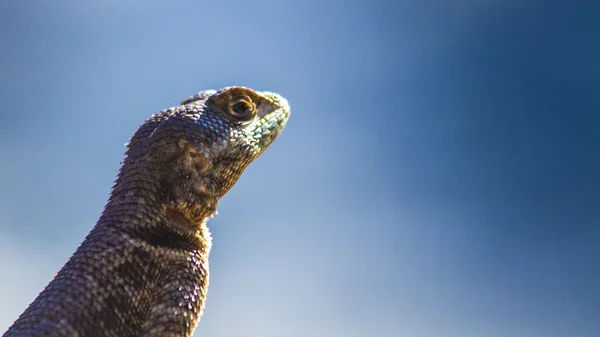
<point x="143" y="268"/>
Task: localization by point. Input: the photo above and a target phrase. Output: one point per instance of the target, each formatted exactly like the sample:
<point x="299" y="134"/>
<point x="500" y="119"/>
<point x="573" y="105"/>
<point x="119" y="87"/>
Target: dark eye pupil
<point x="239" y="108"/>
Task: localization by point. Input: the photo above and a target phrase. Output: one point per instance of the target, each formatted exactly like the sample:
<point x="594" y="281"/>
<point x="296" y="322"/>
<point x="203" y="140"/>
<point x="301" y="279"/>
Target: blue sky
<point x="439" y="175"/>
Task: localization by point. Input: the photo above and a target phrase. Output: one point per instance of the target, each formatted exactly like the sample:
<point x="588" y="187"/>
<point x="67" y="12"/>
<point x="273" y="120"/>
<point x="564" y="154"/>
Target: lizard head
<point x="198" y="150"/>
<point x="236" y="126"/>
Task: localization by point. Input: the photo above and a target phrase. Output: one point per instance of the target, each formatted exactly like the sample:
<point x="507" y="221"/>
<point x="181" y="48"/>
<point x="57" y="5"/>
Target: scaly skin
<point x="143" y="269"/>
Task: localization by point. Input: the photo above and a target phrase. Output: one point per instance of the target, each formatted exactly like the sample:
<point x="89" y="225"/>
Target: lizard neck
<point x="143" y="205"/>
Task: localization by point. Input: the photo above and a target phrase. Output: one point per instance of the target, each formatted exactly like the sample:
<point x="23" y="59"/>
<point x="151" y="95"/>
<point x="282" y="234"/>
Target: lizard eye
<point x="242" y="108"/>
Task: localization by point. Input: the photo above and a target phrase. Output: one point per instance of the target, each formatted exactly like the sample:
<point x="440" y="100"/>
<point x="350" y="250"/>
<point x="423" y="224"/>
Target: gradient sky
<point x="439" y="176"/>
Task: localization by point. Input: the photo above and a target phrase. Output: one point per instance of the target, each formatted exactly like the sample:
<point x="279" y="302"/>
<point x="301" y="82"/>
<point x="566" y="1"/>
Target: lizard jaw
<point x="272" y="118"/>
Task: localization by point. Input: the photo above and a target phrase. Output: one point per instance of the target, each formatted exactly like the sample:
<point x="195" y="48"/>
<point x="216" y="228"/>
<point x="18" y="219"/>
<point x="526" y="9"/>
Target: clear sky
<point x="439" y="176"/>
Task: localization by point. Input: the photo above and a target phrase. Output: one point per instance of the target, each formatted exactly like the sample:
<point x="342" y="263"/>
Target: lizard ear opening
<point x="199" y="162"/>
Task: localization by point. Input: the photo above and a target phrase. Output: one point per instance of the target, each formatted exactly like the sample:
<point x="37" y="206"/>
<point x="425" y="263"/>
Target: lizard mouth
<point x="273" y="115"/>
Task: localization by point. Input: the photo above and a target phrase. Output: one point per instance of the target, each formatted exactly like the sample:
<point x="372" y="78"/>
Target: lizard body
<point x="143" y="269"/>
